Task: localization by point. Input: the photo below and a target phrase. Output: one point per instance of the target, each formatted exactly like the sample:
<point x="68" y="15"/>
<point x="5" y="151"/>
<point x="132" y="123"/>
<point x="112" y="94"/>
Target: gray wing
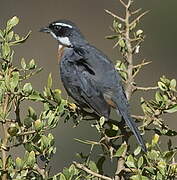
<point x="89" y="89"/>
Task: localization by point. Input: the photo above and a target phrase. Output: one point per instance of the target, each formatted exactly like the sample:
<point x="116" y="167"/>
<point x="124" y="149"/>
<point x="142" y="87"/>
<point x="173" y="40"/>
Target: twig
<point x="139" y="66"/>
<point x="138" y="18"/>
<point x="146" y="88"/>
<point x="5" y="139"/>
<point x="122" y="2"/>
<point x="82" y="167"/>
<point x="136" y="11"/>
<point x="115" y="16"/>
<point x="142" y="64"/>
<point x="138" y="117"/>
<point x="40" y="171"/>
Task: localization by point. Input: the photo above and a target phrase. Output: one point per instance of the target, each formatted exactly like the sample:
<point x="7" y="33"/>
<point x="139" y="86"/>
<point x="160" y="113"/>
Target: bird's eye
<point x="57" y="28"/>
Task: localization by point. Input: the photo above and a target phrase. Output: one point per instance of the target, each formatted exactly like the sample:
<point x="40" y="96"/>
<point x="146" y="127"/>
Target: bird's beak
<point x="46" y="30"/>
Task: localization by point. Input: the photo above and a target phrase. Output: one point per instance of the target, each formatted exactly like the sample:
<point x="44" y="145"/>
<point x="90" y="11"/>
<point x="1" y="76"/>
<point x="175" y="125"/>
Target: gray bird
<point x="88" y="75"/>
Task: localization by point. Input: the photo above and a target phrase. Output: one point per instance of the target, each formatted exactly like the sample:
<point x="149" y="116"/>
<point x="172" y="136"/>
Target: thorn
<point x="138" y="18"/>
<point x="136" y="11"/>
<point x="115" y="16"/>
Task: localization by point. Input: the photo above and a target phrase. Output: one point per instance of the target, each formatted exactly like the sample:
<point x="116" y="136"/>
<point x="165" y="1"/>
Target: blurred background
<point x="159" y="25"/>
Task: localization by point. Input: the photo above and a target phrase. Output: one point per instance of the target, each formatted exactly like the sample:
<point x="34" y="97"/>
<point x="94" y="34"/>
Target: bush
<point x="32" y="130"/>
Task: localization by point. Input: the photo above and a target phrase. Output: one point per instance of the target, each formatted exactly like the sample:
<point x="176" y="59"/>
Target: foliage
<point x="31" y="130"/>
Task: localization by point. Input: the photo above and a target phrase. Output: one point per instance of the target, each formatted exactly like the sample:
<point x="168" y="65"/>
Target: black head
<point x="66" y="33"/>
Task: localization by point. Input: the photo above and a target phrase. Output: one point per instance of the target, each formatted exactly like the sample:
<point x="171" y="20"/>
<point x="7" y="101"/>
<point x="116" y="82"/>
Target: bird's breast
<point x="61" y="49"/>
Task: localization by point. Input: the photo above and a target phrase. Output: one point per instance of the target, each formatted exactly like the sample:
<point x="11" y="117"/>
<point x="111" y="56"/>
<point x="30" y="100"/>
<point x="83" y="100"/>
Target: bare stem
<point x="146" y="88"/>
<point x="129" y="83"/>
<point x="5" y="140"/>
<point x="81" y="166"/>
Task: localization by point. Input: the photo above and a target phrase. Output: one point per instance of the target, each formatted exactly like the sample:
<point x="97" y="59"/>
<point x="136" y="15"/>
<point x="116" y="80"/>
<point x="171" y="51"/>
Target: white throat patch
<point x="63" y="40"/>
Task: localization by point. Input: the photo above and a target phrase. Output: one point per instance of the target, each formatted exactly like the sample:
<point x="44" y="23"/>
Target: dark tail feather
<point x="132" y="125"/>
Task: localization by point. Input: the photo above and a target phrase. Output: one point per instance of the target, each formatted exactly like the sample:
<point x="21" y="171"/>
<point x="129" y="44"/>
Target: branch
<point x="136" y="11"/>
<point x="5" y="138"/>
<point x="138" y="117"/>
<point x="139" y="66"/>
<point x="142" y="64"/>
<point x="122" y="2"/>
<point x="115" y="16"/>
<point x="138" y="18"/>
<point x="146" y="88"/>
<point x="40" y="171"/>
<point x="82" y="167"/>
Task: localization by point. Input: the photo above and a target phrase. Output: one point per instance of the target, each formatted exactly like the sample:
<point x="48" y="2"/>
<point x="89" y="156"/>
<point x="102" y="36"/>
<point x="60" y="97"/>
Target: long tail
<point x="122" y="107"/>
<point x="131" y="124"/>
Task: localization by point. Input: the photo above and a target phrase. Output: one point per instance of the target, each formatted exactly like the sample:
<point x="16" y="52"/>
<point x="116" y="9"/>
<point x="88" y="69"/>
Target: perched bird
<point x="88" y="75"/>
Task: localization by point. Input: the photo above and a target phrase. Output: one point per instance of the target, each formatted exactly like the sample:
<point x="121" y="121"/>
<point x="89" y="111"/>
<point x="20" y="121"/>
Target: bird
<point x="89" y="76"/>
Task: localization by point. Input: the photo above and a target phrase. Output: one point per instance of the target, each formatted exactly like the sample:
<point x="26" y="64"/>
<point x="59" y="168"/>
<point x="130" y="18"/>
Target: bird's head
<point x="65" y="32"/>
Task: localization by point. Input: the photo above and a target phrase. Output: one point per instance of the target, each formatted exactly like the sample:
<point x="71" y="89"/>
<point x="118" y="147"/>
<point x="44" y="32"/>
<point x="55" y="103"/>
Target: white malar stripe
<point x="64" y="40"/>
<point x="53" y="34"/>
<point x="63" y="24"/>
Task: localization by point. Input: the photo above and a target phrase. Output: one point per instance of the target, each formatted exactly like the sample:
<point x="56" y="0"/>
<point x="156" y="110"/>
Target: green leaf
<point x="44" y="142"/>
<point x="5" y="50"/>
<point x="139" y="177"/>
<point x="92" y="166"/>
<point x="51" y="139"/>
<point x="49" y="82"/>
<point x="31" y="159"/>
<point x="139" y="32"/>
<point x="10" y="36"/>
<point x="27" y="88"/>
<point x="173" y="84"/>
<point x="13" y="129"/>
<point x="17" y="37"/>
<point x="140" y="162"/>
<point x="137" y="150"/>
<point x="162" y="86"/>
<point x="38" y="125"/>
<point x="158" y="97"/>
<point x="168" y="155"/>
<point x="116" y="24"/>
<point x="35" y="96"/>
<point x="130" y="162"/>
<point x="121" y="150"/>
<point x="32" y="64"/>
<point x="153" y="155"/>
<point x="11" y="23"/>
<point x="100" y="163"/>
<point x="172" y="109"/>
<point x="57" y="95"/>
<point x="67" y="173"/>
<point x="155" y="139"/>
<point x="19" y="163"/>
<point x="1" y="35"/>
<point x="14" y="80"/>
<point x="122" y="43"/>
<point x="32" y="113"/>
<point x="62" y="177"/>
<point x="23" y="63"/>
